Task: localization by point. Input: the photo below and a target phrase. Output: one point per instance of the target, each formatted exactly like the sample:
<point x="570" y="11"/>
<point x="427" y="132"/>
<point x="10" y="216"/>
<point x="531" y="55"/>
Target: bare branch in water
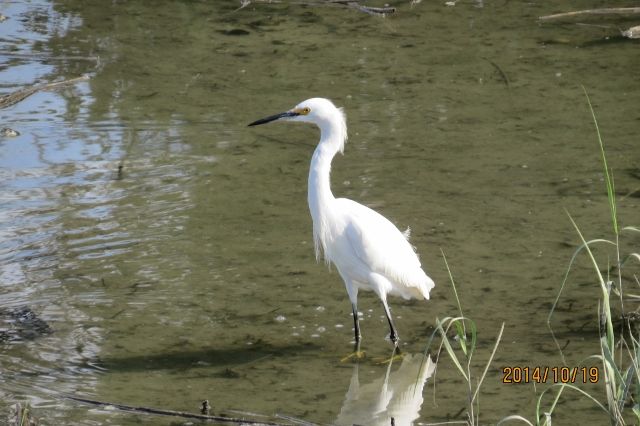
<point x="505" y="79"/>
<point x="604" y="11"/>
<point x="147" y="410"/>
<point x="352" y="4"/>
<point x="21" y="94"/>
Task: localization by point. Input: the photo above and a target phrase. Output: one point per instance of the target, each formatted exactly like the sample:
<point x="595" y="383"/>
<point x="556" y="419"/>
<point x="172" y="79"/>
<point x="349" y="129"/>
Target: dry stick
<point x="367" y="9"/>
<point x="345" y="3"/>
<point x="19" y="95"/>
<point x="175" y="413"/>
<point x="295" y="420"/>
<point x="44" y="57"/>
<point x="505" y="79"/>
<point x="606" y="11"/>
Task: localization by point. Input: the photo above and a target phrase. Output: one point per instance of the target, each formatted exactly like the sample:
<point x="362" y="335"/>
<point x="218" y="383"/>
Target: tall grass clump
<point x="465" y="335"/>
<point x="619" y="352"/>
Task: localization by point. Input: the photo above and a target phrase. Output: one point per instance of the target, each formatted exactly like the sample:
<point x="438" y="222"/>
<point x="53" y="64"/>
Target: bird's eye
<point x="305" y="111"/>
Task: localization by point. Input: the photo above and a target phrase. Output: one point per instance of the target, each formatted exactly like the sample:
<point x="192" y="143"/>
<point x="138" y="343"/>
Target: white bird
<point x="368" y="251"/>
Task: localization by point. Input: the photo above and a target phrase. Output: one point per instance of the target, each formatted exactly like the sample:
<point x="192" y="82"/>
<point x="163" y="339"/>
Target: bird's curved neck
<point x="332" y="137"/>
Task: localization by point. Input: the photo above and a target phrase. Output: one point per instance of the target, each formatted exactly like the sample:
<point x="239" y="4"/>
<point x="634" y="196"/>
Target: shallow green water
<point x="190" y="274"/>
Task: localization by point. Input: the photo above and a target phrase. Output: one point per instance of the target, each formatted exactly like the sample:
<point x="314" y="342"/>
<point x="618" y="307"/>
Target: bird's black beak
<point x="274" y="117"/>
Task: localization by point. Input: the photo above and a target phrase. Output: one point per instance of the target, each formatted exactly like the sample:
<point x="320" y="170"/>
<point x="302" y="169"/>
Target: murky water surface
<point x="154" y="251"/>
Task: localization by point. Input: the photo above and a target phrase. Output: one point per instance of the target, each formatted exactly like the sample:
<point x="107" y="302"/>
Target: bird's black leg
<point x="356" y="325"/>
<point x="394" y="334"/>
<point x="357" y="354"/>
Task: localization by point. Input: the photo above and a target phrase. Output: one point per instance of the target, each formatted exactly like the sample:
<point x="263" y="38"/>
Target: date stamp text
<point x="550" y="374"/>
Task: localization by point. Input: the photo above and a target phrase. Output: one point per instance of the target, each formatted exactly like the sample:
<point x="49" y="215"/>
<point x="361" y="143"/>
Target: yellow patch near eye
<point x="304" y="111"/>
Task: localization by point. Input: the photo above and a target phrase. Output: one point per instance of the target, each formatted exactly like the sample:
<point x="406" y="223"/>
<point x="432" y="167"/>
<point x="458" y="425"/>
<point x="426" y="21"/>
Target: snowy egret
<point x="368" y="251"/>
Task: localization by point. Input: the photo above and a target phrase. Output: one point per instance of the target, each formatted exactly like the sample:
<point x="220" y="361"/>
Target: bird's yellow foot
<point x="357" y="356"/>
<point x="396" y="355"/>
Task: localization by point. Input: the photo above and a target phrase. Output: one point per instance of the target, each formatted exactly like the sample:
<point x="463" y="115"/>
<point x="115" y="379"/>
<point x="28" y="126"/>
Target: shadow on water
<point x="205" y="358"/>
<point x="607" y="41"/>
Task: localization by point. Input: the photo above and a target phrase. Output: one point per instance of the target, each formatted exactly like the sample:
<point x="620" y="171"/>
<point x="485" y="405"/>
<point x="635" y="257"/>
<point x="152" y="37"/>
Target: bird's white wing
<point x="384" y="249"/>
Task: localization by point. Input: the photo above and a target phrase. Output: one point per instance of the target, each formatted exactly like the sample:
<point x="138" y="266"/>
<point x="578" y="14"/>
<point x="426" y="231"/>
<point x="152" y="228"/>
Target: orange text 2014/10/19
<point x="550" y="374"/>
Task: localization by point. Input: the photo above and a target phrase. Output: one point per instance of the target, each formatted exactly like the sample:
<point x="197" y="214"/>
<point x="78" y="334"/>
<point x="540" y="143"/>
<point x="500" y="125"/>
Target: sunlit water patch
<point x="78" y="200"/>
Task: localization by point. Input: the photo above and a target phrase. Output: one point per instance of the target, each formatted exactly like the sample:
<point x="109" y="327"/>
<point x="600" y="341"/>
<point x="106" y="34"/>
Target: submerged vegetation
<point x="20" y="415"/>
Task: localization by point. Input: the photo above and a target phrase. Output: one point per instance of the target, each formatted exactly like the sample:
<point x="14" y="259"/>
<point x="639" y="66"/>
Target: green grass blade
<point x="514" y="417"/>
<point x="625" y="389"/>
<point x="453" y="284"/>
<point x="474" y="338"/>
<point x="486" y="368"/>
<point x="566" y="275"/>
<point x="603" y="285"/>
<point x="562" y="386"/>
<point x="449" y="349"/>
<point x="608" y="360"/>
<point x="462" y="337"/>
<point x="611" y="195"/>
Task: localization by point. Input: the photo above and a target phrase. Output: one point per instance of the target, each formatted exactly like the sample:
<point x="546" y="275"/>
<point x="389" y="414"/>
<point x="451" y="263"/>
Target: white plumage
<point x="368" y="251"/>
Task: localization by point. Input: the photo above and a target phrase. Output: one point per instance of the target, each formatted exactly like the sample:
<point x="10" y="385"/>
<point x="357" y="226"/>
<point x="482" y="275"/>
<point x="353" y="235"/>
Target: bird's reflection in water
<point x="397" y="394"/>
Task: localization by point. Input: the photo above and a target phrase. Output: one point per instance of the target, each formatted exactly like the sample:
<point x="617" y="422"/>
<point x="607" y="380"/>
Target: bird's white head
<point x="319" y="111"/>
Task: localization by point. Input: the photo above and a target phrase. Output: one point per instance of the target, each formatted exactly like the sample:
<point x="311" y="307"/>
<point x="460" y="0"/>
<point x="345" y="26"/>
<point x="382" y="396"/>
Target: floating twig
<point x="604" y="11"/>
<point x="183" y="414"/>
<point x="505" y="79"/>
<point x="45" y="57"/>
<point x="295" y="420"/>
<point x="366" y="9"/>
<point x="352" y="4"/>
<point x="19" y="95"/>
